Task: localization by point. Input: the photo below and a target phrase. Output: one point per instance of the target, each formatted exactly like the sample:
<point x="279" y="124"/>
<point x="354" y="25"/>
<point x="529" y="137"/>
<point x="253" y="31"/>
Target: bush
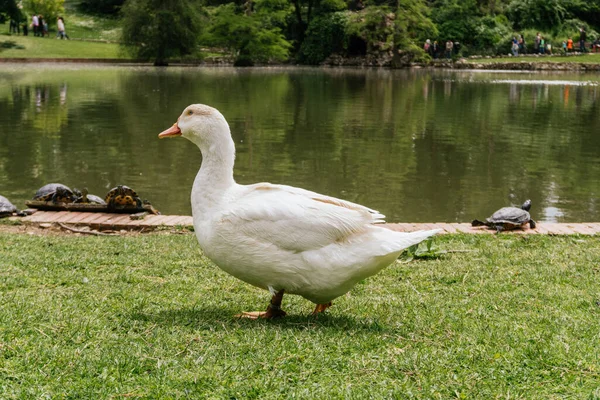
<point x="325" y="35"/>
<point x="109" y="7"/>
<point x="248" y="38"/>
<point x="157" y="30"/>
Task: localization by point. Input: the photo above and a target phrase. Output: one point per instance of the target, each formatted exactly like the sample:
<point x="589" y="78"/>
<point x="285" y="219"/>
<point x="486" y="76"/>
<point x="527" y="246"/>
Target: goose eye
<point x="190" y="112"/>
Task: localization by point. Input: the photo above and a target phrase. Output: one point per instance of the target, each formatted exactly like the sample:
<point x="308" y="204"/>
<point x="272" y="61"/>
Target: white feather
<point x="281" y="237"/>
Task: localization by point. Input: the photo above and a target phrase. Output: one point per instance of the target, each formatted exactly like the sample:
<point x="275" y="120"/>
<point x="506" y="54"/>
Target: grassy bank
<point x="35" y="47"/>
<point x="585" y="58"/>
<point x="150" y="317"/>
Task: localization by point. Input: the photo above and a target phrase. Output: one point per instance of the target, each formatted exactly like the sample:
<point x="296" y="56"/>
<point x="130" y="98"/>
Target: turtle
<point x="56" y="193"/>
<point x="508" y="218"/>
<point x="6" y="207"/>
<point x="123" y="197"/>
<point x="84" y="197"/>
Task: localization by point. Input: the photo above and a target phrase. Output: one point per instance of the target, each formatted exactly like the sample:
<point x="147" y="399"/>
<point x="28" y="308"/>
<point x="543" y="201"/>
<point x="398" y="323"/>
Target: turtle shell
<point x="93" y="199"/>
<point x="123" y="196"/>
<point x="511" y="216"/>
<point x="6" y="207"/>
<point x="85" y="198"/>
<point x="55" y="192"/>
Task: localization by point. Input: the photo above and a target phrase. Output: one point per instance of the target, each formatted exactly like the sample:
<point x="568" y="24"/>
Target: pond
<point x="417" y="145"/>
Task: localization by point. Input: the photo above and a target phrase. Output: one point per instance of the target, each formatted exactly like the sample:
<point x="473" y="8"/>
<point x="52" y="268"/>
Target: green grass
<point x="587" y="58"/>
<point x="35" y="47"/>
<point x="150" y="317"/>
<point x="83" y="26"/>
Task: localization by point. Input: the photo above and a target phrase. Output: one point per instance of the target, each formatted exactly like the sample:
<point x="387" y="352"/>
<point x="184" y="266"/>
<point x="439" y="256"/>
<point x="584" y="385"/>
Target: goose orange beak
<point x="172" y="131"/>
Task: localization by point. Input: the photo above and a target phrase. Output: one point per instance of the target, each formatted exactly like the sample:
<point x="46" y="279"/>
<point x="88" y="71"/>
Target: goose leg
<point x="273" y="310"/>
<point x="320" y="308"/>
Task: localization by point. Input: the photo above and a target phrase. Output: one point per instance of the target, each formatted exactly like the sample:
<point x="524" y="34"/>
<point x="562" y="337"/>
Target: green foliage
<point x="426" y="250"/>
<point x="375" y="26"/>
<point x="159" y="30"/>
<point x="50" y="9"/>
<point x="325" y="35"/>
<point x="110" y="7"/>
<point x="248" y="38"/>
<point x="9" y="9"/>
<point x="540" y="14"/>
<point x="412" y="27"/>
<point x="477" y="32"/>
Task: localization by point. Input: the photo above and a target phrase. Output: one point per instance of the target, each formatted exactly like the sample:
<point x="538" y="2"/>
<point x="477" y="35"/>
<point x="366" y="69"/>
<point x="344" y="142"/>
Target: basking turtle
<point x="56" y="193"/>
<point x="508" y="218"/>
<point x="123" y="197"/>
<point x="6" y="207"/>
<point x="83" y="196"/>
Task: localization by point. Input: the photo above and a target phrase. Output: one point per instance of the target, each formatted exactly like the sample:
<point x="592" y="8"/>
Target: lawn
<point x="35" y="47"/>
<point x="149" y="317"/>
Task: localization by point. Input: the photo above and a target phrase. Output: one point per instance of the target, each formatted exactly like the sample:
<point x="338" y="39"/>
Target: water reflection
<point x="417" y="145"/>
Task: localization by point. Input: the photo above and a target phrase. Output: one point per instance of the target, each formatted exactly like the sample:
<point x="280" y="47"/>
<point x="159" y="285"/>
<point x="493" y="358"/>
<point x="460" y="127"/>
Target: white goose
<point x="277" y="237"/>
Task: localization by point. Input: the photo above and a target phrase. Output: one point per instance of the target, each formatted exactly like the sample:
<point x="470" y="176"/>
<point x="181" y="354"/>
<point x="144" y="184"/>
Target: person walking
<point x="449" y="47"/>
<point x="582" y="37"/>
<point x="60" y="26"/>
<point x="521" y="44"/>
<point x="14" y="26"/>
<point x="570" y="45"/>
<point x="35" y="23"/>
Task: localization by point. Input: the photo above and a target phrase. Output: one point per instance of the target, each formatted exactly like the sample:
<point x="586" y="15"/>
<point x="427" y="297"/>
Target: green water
<point x="419" y="146"/>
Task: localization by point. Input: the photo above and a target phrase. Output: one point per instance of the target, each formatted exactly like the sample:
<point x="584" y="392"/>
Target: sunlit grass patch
<point x="36" y="47"/>
<point x="150" y="316"/>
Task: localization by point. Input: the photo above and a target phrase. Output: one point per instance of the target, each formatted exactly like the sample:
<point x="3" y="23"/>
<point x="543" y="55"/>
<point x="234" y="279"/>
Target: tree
<point x="250" y="37"/>
<point x="9" y="9"/>
<point x="50" y="9"/>
<point x="110" y="7"/>
<point x="160" y="29"/>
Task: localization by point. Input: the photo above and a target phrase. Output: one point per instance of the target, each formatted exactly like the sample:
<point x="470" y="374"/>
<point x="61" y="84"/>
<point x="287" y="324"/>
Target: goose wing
<point x="294" y="219"/>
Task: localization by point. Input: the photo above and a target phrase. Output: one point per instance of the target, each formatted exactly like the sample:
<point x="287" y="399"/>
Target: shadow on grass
<point x="221" y="318"/>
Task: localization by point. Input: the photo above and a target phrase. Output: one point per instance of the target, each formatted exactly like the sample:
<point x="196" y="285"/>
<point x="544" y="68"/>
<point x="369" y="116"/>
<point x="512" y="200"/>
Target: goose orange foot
<point x="320" y="308"/>
<point x="273" y="310"/>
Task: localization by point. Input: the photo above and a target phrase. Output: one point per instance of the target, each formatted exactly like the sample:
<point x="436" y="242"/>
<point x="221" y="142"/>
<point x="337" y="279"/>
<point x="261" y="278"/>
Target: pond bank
<point x="123" y="221"/>
<point x="462" y="64"/>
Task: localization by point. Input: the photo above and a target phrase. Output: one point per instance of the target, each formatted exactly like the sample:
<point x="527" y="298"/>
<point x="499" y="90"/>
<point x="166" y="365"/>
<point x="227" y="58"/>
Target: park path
<point x="123" y="221"/>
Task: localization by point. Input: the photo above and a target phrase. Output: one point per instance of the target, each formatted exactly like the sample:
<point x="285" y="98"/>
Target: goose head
<point x="203" y="125"/>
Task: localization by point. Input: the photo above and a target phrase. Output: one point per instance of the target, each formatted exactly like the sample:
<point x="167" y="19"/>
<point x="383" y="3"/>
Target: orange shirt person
<point x="570" y="44"/>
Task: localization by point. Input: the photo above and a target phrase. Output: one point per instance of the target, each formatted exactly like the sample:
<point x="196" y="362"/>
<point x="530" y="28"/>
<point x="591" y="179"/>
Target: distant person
<point x="564" y="46"/>
<point x="542" y="45"/>
<point x="449" y="47"/>
<point x="582" y="37"/>
<point x="596" y="45"/>
<point x="60" y="26"/>
<point x="44" y="26"/>
<point x="570" y="45"/>
<point x="515" y="46"/>
<point x="521" y="43"/>
<point x="456" y="47"/>
<point x="35" y="23"/>
<point x="435" y="49"/>
<point x="427" y="45"/>
<point x="14" y="27"/>
<point x="41" y="25"/>
<point x="25" y="29"/>
<point x="536" y="47"/>
<point x="549" y="48"/>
